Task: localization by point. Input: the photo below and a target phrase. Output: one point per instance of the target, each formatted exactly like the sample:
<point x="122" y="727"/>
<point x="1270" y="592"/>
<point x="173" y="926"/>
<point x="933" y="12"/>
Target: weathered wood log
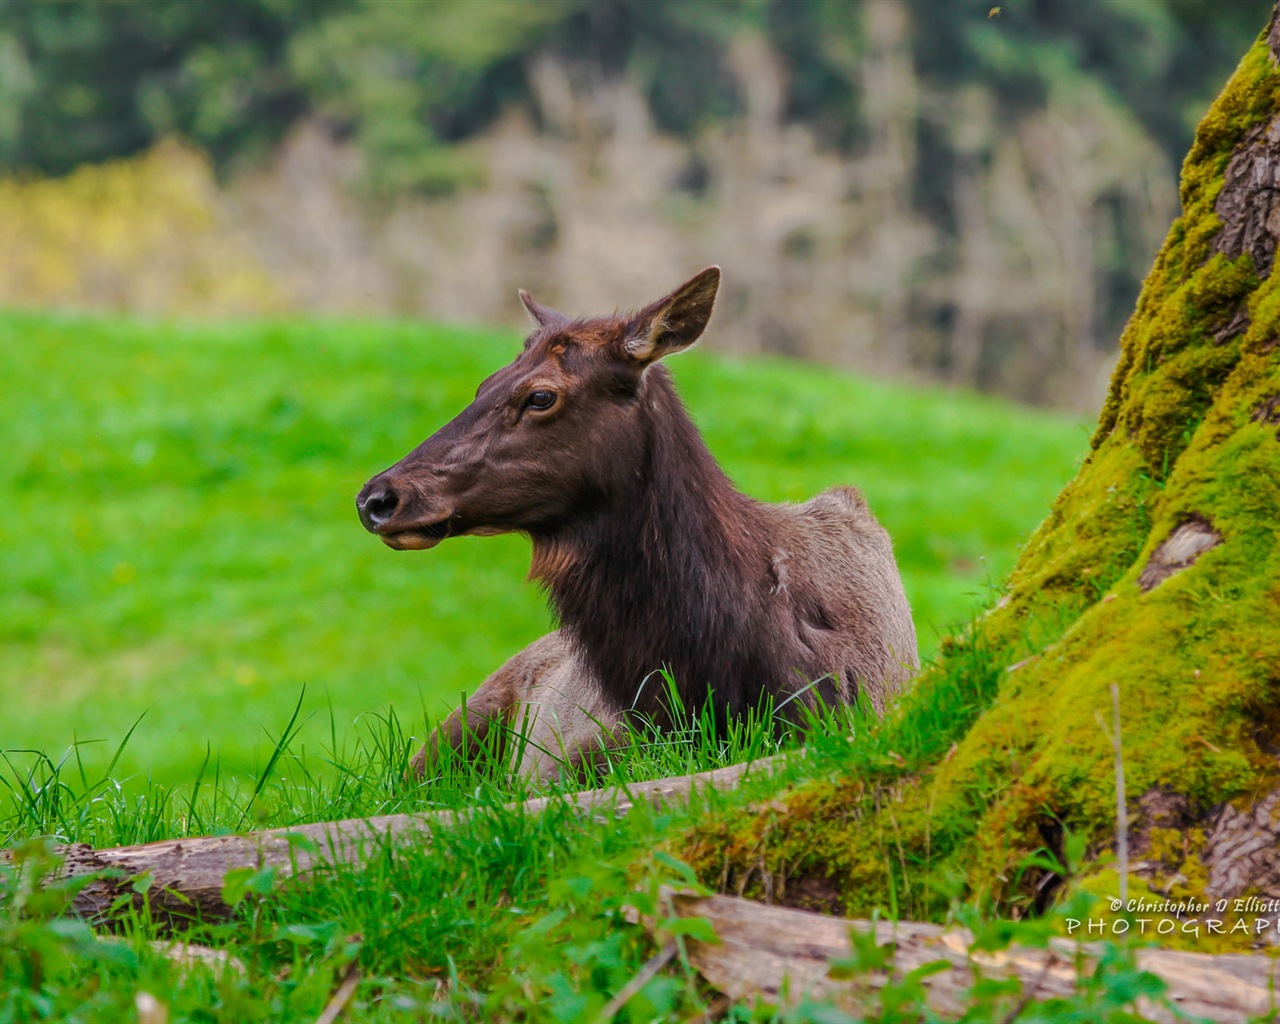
<point x="186" y="875"/>
<point x="784" y="955"/>
<point x="190" y="954"/>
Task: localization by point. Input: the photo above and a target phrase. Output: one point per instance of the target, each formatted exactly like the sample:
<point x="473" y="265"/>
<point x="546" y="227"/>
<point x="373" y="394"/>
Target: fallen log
<point x="784" y="955"/>
<point x="186" y="875"/>
<point x="190" y="954"/>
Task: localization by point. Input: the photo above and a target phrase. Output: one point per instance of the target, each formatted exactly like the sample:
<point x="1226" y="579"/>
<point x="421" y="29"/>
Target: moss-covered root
<point x="1158" y="570"/>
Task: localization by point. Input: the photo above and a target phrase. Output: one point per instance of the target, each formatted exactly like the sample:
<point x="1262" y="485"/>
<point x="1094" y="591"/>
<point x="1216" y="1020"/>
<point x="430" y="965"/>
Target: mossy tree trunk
<point x="1158" y="570"/>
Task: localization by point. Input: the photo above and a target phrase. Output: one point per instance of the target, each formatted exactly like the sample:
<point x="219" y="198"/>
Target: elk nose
<point x="377" y="507"/>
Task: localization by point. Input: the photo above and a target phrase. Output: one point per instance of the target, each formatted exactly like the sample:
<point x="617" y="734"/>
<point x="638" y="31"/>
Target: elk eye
<point x="540" y="400"/>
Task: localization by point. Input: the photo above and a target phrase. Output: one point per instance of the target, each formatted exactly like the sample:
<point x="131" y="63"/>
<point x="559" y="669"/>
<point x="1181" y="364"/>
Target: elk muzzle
<point x="385" y="510"/>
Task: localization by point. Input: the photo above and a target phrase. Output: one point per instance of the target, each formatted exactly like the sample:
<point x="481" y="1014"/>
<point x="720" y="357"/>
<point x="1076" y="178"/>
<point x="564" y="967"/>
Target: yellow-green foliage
<point x="1196" y="659"/>
<point x="142" y="234"/>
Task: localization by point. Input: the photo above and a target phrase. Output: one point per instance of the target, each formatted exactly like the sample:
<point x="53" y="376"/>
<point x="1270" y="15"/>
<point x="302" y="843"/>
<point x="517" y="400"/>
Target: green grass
<point x="179" y="537"/>
<point x="504" y="915"/>
<point x="497" y="910"/>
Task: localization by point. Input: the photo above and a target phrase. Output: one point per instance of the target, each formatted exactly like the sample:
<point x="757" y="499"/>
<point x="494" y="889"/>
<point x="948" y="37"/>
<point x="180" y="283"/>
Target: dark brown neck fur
<point x="669" y="568"/>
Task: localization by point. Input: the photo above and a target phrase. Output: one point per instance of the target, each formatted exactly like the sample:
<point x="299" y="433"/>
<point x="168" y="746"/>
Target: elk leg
<point x="498" y="702"/>
<point x="467" y="729"/>
<point x="565" y="722"/>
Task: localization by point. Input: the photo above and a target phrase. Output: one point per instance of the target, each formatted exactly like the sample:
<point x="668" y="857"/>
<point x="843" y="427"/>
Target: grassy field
<point x="180" y="538"/>
<point x="181" y="541"/>
<point x="504" y="914"/>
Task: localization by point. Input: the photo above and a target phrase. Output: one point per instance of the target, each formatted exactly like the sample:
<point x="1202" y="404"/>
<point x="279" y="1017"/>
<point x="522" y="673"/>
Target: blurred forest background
<point x="929" y="189"/>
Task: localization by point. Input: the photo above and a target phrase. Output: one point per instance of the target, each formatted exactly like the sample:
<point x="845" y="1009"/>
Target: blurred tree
<point x="1009" y="173"/>
<point x="1163" y="59"/>
<point x="409" y="78"/>
<point x="83" y="81"/>
<point x="676" y="53"/>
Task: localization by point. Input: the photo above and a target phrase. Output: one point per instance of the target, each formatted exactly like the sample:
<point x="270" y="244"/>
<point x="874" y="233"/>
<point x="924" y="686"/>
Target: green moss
<point x="1196" y="659"/>
<point x="1247" y="101"/>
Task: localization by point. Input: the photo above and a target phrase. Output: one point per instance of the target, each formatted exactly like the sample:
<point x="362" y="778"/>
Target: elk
<point x="651" y="558"/>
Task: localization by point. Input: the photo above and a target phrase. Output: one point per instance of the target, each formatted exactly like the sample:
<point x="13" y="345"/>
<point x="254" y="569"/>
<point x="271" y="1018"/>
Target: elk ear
<point x="541" y="315"/>
<point x="673" y="323"/>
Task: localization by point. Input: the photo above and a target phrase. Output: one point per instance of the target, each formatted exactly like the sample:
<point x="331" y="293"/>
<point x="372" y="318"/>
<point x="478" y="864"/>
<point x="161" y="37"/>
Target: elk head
<point x="548" y="438"/>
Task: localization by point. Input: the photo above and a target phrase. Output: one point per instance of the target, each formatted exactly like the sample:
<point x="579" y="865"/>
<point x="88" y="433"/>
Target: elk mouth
<point x="417" y="538"/>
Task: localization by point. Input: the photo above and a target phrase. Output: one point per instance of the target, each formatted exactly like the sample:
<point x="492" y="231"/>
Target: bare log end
<point x="1179" y="551"/>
